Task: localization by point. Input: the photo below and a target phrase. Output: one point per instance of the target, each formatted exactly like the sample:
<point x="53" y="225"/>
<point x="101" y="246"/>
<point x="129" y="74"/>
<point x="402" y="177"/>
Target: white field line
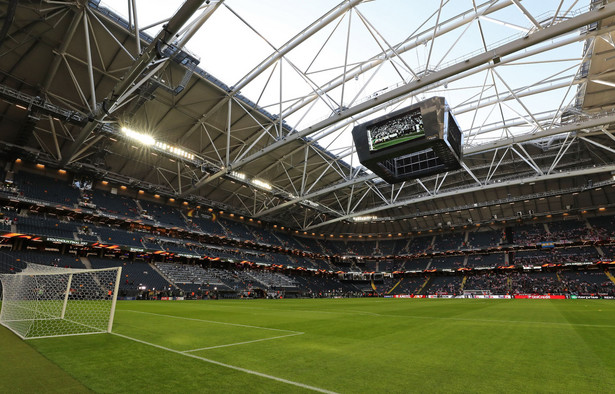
<point x="243" y="343"/>
<point x="364" y="313"/>
<point x="248" y="371"/>
<point x="211" y="321"/>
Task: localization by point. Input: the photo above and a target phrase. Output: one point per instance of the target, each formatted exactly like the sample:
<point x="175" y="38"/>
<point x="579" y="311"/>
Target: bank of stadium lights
<point x="261" y="184"/>
<point x="148" y="140"/>
<point x="255" y="182"/>
<point x="364" y="218"/>
<point x="176" y="151"/>
<point x="238" y="175"/>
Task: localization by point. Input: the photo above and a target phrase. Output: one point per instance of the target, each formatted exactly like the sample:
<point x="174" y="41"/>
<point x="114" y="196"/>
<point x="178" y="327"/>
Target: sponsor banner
<point x="66" y="241"/>
<point x="588" y="297"/>
<point x="190" y="256"/>
<point x="540" y="296"/>
<point x="179" y="298"/>
<point x="166" y="298"/>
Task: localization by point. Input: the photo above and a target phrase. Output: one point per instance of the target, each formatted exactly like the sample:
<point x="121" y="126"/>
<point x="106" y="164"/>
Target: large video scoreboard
<point x="412" y="142"/>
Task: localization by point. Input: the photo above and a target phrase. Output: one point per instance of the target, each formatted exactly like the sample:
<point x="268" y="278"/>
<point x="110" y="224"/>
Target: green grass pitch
<point x="340" y="345"/>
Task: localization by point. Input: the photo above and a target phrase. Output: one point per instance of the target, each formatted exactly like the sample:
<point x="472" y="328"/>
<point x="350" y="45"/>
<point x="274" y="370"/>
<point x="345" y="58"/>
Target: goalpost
<point x="43" y="301"/>
<point x="473" y="293"/>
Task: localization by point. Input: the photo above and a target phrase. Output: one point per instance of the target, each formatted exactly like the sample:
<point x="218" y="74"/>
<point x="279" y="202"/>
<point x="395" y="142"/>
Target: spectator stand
<point x="393" y="247"/>
<point x="530" y="234"/>
<point x="52" y="259"/>
<point x="361" y="248"/>
<point x="289" y="242"/>
<point x="208" y="225"/>
<point x="114" y="205"/>
<point x="116" y="236"/>
<point x="164" y="215"/>
<point x="448" y="285"/>
<point x="569" y="230"/>
<point x="448" y="242"/>
<point x="603" y="226"/>
<point x="50" y="190"/>
<point x="482" y="240"/>
<point x="236" y="230"/>
<point x="46" y="227"/>
<point x="420" y="245"/>
<point x="136" y="276"/>
<point x="492" y="260"/>
<point x="447" y="262"/>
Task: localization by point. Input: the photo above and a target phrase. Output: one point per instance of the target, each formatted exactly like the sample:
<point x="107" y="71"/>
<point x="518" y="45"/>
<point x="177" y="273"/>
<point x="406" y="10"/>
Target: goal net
<point x="42" y="301"/>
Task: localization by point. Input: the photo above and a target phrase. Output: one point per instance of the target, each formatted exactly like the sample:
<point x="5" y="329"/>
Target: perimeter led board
<point x="416" y="141"/>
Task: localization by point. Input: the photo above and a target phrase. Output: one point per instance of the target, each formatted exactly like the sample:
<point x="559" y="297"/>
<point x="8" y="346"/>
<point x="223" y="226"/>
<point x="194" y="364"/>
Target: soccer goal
<point x="43" y="301"/>
<point x="476" y="293"/>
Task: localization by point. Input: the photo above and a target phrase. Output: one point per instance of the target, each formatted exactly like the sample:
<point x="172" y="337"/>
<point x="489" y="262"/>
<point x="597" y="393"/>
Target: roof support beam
<point x="457" y="191"/>
<point x="278" y="54"/>
<point x="504" y="143"/>
<point x="155" y="49"/>
<point x="317" y="193"/>
<point x="588" y="124"/>
<point x="484" y="58"/>
<point x="409" y="44"/>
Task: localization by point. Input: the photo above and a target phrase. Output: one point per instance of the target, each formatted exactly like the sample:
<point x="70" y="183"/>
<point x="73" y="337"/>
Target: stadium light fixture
<point x="174" y="150"/>
<point x="148" y="140"/>
<point x="261" y="184"/>
<point x="140" y="137"/>
<point x="238" y="175"/>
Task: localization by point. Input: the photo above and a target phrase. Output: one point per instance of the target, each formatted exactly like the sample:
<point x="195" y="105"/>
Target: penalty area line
<point x="243" y="343"/>
<point x="210" y="321"/>
<point x="240" y="369"/>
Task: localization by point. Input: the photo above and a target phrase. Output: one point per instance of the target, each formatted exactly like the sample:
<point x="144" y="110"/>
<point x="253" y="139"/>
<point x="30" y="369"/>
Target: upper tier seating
<point x="163" y="214"/>
<point x="46" y="189"/>
<point x="117" y="236"/>
<point x="486" y="260"/>
<point x="115" y="204"/>
<point x="447" y="262"/>
<point x="484" y="239"/>
<point x="237" y="230"/>
<point x="393" y="247"/>
<point x="49" y="227"/>
<point x="448" y="242"/>
<point x="420" y="244"/>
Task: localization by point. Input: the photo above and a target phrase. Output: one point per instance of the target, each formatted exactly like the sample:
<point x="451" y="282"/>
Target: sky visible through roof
<point x="242" y="33"/>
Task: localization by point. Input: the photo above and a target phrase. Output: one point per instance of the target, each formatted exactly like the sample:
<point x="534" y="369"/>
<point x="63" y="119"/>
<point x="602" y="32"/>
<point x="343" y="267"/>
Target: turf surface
<point x="342" y="345"/>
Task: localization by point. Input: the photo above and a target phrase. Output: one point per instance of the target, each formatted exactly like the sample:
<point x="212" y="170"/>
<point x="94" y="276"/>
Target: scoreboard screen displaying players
<point x="412" y="142"/>
<point x="403" y="128"/>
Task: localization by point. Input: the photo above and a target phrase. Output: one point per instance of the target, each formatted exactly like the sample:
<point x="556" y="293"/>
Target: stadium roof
<point x="249" y="108"/>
